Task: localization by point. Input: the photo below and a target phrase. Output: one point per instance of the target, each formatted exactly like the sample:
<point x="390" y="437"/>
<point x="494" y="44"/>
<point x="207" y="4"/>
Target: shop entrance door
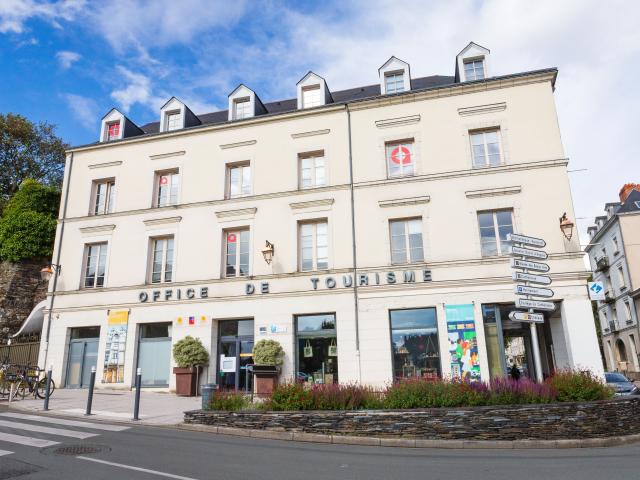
<point x="235" y="349"/>
<point x="154" y="354"/>
<point x="83" y="354"/>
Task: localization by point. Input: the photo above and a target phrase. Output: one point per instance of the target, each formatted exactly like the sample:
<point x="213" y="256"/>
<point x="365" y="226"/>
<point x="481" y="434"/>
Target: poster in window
<point x="117" y="323"/>
<point x="463" y="342"/>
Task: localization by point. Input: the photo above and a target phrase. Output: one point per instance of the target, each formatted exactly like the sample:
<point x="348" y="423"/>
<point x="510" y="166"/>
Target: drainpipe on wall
<point x="56" y="270"/>
<point x="355" y="250"/>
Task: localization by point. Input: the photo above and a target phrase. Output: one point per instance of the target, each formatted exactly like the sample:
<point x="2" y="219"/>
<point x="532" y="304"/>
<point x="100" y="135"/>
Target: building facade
<point x="386" y="208"/>
<point x="614" y="255"/>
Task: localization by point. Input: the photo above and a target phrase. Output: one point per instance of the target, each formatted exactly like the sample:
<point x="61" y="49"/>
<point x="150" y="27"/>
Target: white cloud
<point x="66" y="58"/>
<point x="15" y="13"/>
<point x="84" y="109"/>
<point x="138" y="89"/>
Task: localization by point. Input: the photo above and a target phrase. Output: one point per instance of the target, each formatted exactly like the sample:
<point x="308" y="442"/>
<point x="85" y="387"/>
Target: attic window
<point x="394" y="82"/>
<point x="113" y="131"/>
<point x="311" y="96"/>
<point x="241" y="108"/>
<point x="474" y="69"/>
<point x="174" y="120"/>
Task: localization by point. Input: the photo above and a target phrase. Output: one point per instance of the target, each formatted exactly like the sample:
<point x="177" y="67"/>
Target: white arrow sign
<point x="540" y="267"/>
<point x="539" y="304"/>
<point x="526" y="317"/>
<point x="533" y="241"/>
<point x="535" y="291"/>
<point x="528" y="277"/>
<point x="527" y="252"/>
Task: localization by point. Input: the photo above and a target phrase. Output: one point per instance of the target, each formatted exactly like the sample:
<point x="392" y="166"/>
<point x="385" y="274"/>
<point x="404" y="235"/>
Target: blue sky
<point x="69" y="61"/>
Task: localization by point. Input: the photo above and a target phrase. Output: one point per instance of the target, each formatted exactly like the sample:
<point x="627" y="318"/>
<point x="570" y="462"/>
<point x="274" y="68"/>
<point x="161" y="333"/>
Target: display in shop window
<point x="463" y="342"/>
<point x="114" y="355"/>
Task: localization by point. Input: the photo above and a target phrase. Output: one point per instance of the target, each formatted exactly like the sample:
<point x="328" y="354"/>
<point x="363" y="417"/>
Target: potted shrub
<point x="267" y="358"/>
<point x="190" y="355"/>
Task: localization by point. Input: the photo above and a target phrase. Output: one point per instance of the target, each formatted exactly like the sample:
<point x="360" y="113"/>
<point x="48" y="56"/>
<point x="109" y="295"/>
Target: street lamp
<point x="46" y="272"/>
<point x="566" y="226"/>
<point x="267" y="252"/>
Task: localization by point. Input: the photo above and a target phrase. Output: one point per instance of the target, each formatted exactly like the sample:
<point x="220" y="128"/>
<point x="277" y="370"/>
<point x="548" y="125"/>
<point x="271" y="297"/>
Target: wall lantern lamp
<point x="566" y="226"/>
<point x="46" y="272"/>
<point x="267" y="252"/>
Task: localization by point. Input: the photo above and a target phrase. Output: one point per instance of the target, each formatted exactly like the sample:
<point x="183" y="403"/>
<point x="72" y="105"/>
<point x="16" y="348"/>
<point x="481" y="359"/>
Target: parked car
<point x="621" y="384"/>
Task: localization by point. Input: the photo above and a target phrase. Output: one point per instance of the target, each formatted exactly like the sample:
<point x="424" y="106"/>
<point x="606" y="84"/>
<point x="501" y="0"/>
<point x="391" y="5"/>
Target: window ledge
<point x="238" y="214"/>
<point x="161" y="221"/>
<point x="492" y="192"/>
<point x="97" y="229"/>
<point x="325" y="202"/>
<point x="401" y="202"/>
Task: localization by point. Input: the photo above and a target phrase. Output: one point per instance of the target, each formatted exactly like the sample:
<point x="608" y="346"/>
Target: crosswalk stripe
<point x="64" y="421"/>
<point x="53" y="431"/>
<point x="5" y="452"/>
<point x="28" y="441"/>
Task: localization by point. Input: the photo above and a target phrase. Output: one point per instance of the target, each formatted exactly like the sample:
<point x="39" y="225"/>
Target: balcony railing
<point x="602" y="264"/>
<point x="609" y="297"/>
<point x="612" y="326"/>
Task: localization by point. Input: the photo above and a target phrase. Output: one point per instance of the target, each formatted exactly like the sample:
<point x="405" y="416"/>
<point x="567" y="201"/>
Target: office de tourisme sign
<point x="327" y="282"/>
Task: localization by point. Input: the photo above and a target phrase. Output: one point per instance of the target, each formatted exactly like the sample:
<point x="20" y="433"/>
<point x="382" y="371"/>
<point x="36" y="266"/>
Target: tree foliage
<point x="28" y="224"/>
<point x="28" y="150"/>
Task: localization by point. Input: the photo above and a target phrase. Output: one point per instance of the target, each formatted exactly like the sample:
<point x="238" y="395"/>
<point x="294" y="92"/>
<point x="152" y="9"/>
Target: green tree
<point x="28" y="150"/>
<point x="28" y="224"/>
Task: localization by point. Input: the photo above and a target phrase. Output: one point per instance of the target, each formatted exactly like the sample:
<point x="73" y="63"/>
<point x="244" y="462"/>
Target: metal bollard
<point x="136" y="406"/>
<point x="92" y="382"/>
<point x="47" y="391"/>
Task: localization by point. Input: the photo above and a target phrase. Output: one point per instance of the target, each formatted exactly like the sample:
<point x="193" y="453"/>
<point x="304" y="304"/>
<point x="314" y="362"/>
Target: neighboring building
<point x="614" y="255"/>
<point x="387" y="207"/>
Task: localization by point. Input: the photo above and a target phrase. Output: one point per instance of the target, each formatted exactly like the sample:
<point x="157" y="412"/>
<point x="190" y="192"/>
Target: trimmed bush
<point x="290" y="396"/>
<point x="268" y="352"/>
<point x="229" y="401"/>
<point x="189" y="352"/>
<point x="578" y="386"/>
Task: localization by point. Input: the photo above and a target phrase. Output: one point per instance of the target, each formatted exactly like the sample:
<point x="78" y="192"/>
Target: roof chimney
<point x="626" y="189"/>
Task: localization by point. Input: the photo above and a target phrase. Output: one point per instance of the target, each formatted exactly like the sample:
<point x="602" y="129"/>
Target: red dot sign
<point x="231" y="238"/>
<point x="401" y="155"/>
<point x="163" y="180"/>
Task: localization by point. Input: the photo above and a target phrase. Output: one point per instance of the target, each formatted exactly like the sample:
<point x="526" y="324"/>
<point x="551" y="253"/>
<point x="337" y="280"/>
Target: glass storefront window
<point x="317" y="345"/>
<point x="414" y="341"/>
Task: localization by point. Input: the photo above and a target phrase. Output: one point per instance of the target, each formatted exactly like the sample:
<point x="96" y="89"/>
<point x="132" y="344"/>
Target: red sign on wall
<point x="401" y="155"/>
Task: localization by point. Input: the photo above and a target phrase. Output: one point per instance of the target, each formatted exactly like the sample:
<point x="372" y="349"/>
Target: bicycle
<point x="28" y="381"/>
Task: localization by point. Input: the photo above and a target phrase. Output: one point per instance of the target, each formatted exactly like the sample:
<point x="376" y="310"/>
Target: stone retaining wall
<point x="617" y="417"/>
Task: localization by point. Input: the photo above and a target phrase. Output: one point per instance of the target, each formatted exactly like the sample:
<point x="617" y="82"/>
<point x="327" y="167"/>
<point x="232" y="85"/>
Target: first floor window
<point x="314" y="246"/>
<point x="474" y="69"/>
<point x="317" y="346"/>
<point x="104" y="196"/>
<point x="113" y="131"/>
<point x="494" y="228"/>
<point x="406" y="240"/>
<point x="162" y="260"/>
<point x="312" y="170"/>
<point x="174" y="120"/>
<point x="400" y="158"/>
<point x="237" y="253"/>
<point x="95" y="265"/>
<point x="627" y="310"/>
<point x="485" y="146"/>
<point x="167" y="186"/>
<point x="239" y="180"/>
<point x="241" y="108"/>
<point x="414" y="341"/>
<point x="621" y="277"/>
<point x="394" y="82"/>
<point x="311" y="96"/>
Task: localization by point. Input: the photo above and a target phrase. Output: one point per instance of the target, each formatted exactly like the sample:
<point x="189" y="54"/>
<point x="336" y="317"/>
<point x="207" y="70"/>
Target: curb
<point x="406" y="442"/>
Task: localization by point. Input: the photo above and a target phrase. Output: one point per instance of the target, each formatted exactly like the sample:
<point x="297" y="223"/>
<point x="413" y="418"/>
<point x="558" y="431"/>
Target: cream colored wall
<point x="630" y="228"/>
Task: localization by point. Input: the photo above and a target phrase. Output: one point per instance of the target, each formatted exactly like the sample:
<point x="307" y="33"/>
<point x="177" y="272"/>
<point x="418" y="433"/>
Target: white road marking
<point x="5" y="452"/>
<point x="102" y="413"/>
<point x="53" y="431"/>
<point x="137" y="469"/>
<point x="64" y="421"/>
<point x="28" y="441"/>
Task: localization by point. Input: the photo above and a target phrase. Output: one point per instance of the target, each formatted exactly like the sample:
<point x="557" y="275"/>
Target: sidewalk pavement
<point x="156" y="408"/>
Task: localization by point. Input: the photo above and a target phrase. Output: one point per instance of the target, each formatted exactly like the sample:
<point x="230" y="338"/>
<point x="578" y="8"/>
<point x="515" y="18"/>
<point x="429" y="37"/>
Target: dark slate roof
<point x="291" y="104"/>
<point x="629" y="204"/>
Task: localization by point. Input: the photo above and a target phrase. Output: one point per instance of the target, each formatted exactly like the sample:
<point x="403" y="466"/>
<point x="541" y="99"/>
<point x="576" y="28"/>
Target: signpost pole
<point x="534" y="339"/>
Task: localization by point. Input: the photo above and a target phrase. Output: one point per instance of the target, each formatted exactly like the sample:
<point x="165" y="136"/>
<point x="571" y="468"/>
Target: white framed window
<point x="394" y="82"/>
<point x="311" y="96"/>
<point x="236" y="252"/>
<point x="95" y="264"/>
<point x="400" y="158"/>
<point x="104" y="196"/>
<point x="614" y="316"/>
<point x="312" y="169"/>
<point x="474" y="69"/>
<point x="621" y="277"/>
<point x="113" y="131"/>
<point x="174" y="120"/>
<point x="167" y="188"/>
<point x="313" y="245"/>
<point x="486" y="148"/>
<point x="627" y="310"/>
<point x="238" y="180"/>
<point x="605" y="320"/>
<point x="406" y="240"/>
<point x="162" y="264"/>
<point x="494" y="227"/>
<point x="616" y="247"/>
<point x="241" y="108"/>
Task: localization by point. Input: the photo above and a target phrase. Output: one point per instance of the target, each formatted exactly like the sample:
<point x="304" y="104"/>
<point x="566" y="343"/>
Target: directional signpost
<point x="524" y="248"/>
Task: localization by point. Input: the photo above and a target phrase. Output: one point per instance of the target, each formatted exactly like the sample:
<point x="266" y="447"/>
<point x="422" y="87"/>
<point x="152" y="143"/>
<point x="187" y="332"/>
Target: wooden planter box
<point x="186" y="381"/>
<point x="265" y="379"/>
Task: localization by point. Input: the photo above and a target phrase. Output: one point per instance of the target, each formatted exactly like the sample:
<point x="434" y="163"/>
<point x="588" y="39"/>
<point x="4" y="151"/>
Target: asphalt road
<point x="171" y="453"/>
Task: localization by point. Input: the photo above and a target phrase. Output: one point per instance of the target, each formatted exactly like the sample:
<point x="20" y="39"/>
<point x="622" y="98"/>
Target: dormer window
<point x="174" y="120"/>
<point x="113" y="131"/>
<point x="394" y="82"/>
<point x="474" y="69"/>
<point x="241" y="108"/>
<point x="311" y="96"/>
<point x="115" y="126"/>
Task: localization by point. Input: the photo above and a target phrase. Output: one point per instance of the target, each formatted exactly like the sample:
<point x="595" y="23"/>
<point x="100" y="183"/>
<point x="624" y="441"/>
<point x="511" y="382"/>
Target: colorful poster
<point x="463" y="343"/>
<point x="117" y="324"/>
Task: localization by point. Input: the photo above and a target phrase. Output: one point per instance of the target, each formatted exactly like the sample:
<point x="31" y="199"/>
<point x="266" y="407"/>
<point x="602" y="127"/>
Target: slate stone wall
<point x="21" y="288"/>
<point x="620" y="416"/>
